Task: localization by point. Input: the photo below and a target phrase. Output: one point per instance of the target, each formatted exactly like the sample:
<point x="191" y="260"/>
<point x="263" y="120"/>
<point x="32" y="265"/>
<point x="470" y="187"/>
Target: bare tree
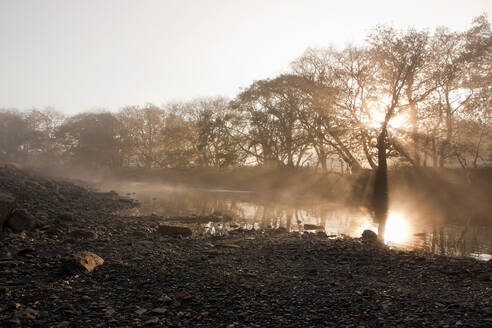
<point x="397" y="57"/>
<point x="144" y="127"/>
<point x="273" y="133"/>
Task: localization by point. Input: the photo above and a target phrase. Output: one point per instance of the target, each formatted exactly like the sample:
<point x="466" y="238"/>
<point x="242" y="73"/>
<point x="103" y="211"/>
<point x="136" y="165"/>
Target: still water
<point x="252" y="211"/>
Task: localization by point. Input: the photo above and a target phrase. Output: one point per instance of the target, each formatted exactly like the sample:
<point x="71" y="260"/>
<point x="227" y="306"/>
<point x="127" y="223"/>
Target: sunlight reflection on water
<point x="250" y="211"/>
<point x="397" y="230"/>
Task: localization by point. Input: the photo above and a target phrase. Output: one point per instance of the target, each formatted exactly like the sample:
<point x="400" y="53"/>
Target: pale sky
<point x="86" y="54"/>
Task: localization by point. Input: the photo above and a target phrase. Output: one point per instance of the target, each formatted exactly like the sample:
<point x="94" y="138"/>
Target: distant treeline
<point x="430" y="91"/>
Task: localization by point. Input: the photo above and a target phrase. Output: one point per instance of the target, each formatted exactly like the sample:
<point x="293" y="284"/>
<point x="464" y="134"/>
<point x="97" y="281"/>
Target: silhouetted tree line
<point x="412" y="97"/>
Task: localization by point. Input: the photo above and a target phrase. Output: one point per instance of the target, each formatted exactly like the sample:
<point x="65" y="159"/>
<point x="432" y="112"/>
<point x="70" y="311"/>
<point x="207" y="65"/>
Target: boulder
<point x="7" y="205"/>
<point x="81" y="262"/>
<point x="369" y="236"/>
<point x="20" y="220"/>
<point x="174" y="231"/>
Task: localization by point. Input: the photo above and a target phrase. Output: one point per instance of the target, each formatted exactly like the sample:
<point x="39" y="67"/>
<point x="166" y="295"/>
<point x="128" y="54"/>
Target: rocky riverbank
<point x="144" y="275"/>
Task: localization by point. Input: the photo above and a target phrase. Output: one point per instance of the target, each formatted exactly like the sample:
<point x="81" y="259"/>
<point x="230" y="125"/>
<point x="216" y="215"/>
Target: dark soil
<point x="245" y="279"/>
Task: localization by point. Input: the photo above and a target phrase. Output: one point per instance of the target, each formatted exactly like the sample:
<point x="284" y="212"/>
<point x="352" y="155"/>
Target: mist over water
<point x="405" y="229"/>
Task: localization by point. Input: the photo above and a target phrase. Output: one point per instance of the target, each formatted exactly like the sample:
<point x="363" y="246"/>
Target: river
<point x="249" y="210"/>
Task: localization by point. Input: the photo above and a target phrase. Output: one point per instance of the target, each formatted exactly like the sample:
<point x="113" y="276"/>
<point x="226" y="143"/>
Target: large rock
<point x="174" y="231"/>
<point x="7" y="205"/>
<point x="82" y="262"/>
<point x="369" y="236"/>
<point x="20" y="220"/>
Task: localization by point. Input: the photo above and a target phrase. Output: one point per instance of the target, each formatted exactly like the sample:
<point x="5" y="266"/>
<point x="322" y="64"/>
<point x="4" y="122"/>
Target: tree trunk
<point x="415" y="135"/>
<point x="449" y="130"/>
<point x="413" y="123"/>
<point x="380" y="196"/>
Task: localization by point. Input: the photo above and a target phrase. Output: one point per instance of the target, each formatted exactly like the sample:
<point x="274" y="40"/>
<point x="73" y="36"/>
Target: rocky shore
<point x="68" y="259"/>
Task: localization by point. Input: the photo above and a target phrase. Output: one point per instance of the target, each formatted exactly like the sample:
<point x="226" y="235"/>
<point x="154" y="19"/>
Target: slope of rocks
<point x="245" y="279"/>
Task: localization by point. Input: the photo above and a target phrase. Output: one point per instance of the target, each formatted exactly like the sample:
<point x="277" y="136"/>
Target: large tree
<point x="272" y="130"/>
<point x="212" y="119"/>
<point x="15" y="136"/>
<point x="398" y="57"/>
<point x="92" y="139"/>
<point x="144" y="126"/>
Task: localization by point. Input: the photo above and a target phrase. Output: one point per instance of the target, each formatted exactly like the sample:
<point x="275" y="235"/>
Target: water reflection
<point x="397" y="230"/>
<point x="250" y="211"/>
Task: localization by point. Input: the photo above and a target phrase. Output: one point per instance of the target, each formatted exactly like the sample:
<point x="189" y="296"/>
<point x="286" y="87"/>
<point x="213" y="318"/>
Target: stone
<point x="280" y="230"/>
<point x="139" y="234"/>
<point x="112" y="195"/>
<point x="20" y="220"/>
<point x="65" y="217"/>
<point x="159" y="310"/>
<point x="228" y="245"/>
<point x="26" y="251"/>
<point x="312" y="227"/>
<point x="369" y="236"/>
<point x="7" y="205"/>
<point x="30" y="314"/>
<point x="152" y="321"/>
<point x="83" y="234"/>
<point x="125" y="199"/>
<point x="82" y="262"/>
<point x="174" y="231"/>
<point x="485" y="276"/>
<point x="140" y="311"/>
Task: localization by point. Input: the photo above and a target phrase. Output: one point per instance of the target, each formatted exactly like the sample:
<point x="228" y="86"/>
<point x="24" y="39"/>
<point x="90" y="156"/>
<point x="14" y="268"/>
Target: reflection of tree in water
<point x="250" y="211"/>
<point x="453" y="240"/>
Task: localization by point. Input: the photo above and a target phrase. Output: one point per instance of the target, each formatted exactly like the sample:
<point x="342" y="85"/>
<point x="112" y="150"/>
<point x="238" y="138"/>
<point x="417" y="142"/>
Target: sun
<point x="399" y="122"/>
<point x="376" y="117"/>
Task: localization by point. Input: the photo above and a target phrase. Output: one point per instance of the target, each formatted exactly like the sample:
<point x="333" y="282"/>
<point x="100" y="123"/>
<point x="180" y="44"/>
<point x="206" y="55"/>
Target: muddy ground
<point x="267" y="278"/>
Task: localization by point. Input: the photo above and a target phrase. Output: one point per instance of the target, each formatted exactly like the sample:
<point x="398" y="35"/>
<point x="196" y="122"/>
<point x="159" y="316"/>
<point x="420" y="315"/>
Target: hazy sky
<point x="86" y="54"/>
